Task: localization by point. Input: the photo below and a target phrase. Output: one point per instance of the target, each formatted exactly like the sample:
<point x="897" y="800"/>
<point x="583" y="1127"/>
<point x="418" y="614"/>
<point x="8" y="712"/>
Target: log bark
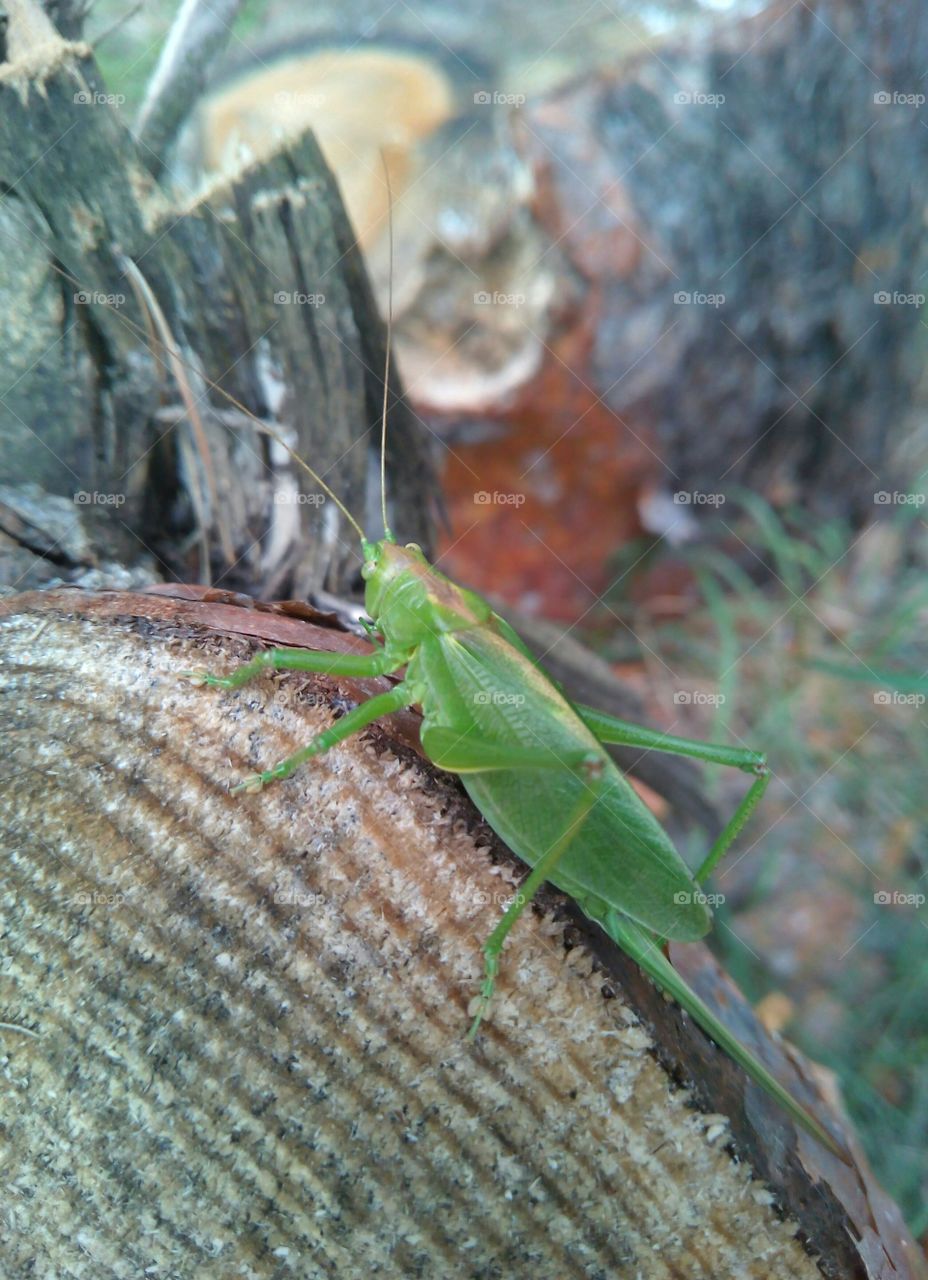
<point x="199" y="34"/>
<point x="239" y="1045"/>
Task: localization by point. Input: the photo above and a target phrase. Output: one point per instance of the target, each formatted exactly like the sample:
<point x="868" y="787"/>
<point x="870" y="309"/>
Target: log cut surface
<point x="240" y="1020"/>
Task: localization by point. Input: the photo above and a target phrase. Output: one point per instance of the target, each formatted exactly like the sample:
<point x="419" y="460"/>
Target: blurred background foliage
<point x="808" y="641"/>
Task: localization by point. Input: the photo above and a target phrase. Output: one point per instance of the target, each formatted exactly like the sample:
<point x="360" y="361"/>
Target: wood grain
<point x="242" y="1050"/>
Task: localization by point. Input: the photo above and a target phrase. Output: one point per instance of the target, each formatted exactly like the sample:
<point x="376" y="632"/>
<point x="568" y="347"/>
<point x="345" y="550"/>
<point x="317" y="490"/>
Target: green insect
<point x="535" y="765"/>
<point x="533" y="762"/>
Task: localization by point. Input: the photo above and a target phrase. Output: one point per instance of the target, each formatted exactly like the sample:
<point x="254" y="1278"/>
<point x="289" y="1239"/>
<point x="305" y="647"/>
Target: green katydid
<point x="535" y="765"/>
<point x="492" y="716"/>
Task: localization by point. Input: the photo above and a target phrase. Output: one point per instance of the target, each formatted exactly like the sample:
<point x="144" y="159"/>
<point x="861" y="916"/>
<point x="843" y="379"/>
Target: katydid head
<point x="386" y="562"/>
<point x="410" y="599"/>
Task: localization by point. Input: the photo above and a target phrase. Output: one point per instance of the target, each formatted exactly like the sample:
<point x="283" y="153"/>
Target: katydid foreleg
<point x="379" y="663"/>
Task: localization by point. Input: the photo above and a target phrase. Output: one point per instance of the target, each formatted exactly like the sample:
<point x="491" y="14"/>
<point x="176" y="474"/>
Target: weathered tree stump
<point x="122" y="305"/>
<point x="677" y="264"/>
<point x="735" y="205"/>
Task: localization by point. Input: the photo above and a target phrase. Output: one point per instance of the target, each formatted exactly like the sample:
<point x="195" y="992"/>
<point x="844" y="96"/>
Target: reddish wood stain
<point x="557" y="494"/>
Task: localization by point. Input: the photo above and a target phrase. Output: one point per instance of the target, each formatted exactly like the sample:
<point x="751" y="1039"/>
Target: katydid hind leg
<point x="466" y="752"/>
<point x="609" y="729"/>
<point x="647" y="953"/>
<point x="729" y="834"/>
<point x="365" y="713"/>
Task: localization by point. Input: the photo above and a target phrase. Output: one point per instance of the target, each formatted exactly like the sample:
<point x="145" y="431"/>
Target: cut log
<point x="234" y="1026"/>
<point x="735" y="205"/>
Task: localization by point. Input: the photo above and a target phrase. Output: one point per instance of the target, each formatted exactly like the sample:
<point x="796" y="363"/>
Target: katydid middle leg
<point x="465" y="753"/>
<point x="382" y="704"/>
<point x="610" y="729"/>
<point x="542" y="870"/>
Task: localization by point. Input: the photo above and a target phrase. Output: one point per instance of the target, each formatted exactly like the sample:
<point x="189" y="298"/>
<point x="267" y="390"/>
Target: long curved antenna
<point x="259" y="425"/>
<point x="386" y="372"/>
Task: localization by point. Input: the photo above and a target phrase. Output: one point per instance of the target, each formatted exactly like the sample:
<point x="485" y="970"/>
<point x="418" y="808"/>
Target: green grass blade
<point x="903" y="681"/>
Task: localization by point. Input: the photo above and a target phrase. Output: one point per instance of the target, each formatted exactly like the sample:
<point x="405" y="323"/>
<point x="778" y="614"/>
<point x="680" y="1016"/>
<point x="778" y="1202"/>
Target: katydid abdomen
<point x="621" y="856"/>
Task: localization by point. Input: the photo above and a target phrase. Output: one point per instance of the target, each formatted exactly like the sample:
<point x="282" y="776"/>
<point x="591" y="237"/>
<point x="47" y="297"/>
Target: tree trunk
<point x="737" y="207"/>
